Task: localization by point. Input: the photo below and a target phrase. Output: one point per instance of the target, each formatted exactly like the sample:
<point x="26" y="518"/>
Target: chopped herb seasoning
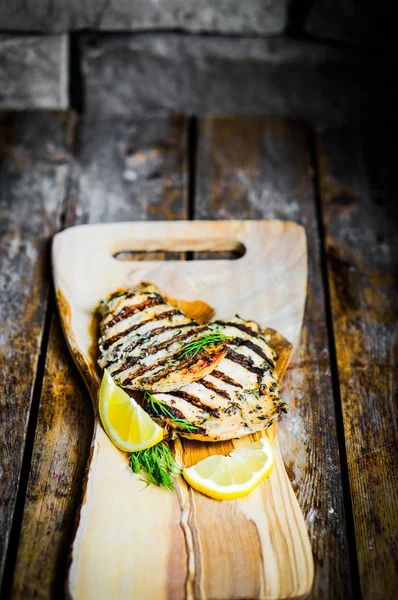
<point x="212" y="338"/>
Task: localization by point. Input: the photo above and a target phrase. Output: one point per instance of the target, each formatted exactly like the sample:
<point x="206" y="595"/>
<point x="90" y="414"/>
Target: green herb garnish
<point x="158" y="406"/>
<point x="210" y="338"/>
<point x="156" y="464"/>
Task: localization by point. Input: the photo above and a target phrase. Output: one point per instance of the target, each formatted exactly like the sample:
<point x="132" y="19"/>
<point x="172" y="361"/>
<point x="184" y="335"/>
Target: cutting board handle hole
<point x="206" y="249"/>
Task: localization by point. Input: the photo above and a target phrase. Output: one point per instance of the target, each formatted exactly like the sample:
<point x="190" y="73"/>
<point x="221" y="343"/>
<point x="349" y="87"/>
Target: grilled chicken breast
<point x="240" y="396"/>
<point x="143" y="340"/>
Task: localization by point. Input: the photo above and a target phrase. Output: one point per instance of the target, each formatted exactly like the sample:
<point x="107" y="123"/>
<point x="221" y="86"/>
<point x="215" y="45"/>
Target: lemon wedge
<point x="232" y="476"/>
<point x="129" y="427"/>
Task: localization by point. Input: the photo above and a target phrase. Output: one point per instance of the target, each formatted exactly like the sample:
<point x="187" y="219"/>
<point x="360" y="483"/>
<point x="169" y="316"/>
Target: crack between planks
<point x="76" y="87"/>
<point x="348" y="508"/>
<point x="192" y="157"/>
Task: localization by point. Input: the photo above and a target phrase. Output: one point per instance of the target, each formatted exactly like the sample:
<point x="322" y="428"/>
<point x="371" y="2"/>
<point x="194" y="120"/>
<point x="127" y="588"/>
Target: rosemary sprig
<point x="159" y="406"/>
<point x="157" y="465"/>
<point x="210" y="338"/>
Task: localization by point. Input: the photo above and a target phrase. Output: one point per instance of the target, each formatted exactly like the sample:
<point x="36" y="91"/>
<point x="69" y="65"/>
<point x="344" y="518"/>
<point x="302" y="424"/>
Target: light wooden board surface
<point x="146" y="544"/>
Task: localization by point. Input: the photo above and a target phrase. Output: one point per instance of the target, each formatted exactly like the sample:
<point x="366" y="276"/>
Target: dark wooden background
<point x="339" y="440"/>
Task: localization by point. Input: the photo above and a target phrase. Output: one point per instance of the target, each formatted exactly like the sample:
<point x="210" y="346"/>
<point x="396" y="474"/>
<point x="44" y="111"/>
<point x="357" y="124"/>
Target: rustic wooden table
<point x="339" y="440"/>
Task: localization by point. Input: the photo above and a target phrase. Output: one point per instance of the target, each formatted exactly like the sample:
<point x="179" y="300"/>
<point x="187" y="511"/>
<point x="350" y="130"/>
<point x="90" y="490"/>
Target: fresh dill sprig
<point x="159" y="406"/>
<point x="157" y="465"/>
<point x="210" y="338"/>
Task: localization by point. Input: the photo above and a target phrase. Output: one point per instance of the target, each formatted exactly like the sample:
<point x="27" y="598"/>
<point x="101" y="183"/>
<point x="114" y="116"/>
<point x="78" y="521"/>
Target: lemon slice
<point x="129" y="427"/>
<point x="233" y="476"/>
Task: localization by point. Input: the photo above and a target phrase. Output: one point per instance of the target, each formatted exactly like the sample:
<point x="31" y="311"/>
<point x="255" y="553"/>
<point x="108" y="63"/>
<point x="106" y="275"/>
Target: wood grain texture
<point x="62" y="443"/>
<point x="99" y="191"/>
<point x="260" y="168"/>
<point x="180" y="528"/>
<point x="131" y="170"/>
<point x="34" y="172"/>
<point x="358" y="188"/>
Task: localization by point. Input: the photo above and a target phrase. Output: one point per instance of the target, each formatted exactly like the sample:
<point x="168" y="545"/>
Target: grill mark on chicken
<point x="249" y="399"/>
<point x="257" y="350"/>
<point x="165" y="328"/>
<point x="196" y="402"/>
<point x="210" y="386"/>
<point x="179" y="338"/>
<point x="244" y="361"/>
<point x="224" y="377"/>
<point x="132" y="360"/>
<point x="184" y="361"/>
<point x="143" y="339"/>
<point x="239" y="326"/>
<point x="114" y="296"/>
<point x="175" y="414"/>
<point x="205" y="355"/>
<point x="164" y="315"/>
<point x="157" y="411"/>
<point x="145" y="331"/>
<point x="129" y="311"/>
<point x="198" y="430"/>
<point x="152" y="334"/>
<point x="127" y="294"/>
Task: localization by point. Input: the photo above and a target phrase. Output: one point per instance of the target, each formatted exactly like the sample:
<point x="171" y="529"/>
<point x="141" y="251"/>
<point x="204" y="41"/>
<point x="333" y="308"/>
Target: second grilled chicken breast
<point x="143" y="340"/>
<point x="239" y="397"/>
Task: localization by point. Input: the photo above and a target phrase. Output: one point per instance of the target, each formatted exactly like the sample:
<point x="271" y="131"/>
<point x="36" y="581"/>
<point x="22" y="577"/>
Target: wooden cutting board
<point x="143" y="543"/>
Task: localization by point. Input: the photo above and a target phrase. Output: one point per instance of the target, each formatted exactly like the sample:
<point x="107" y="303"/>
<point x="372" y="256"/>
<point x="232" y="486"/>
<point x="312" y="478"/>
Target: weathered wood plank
<point x="229" y="16"/>
<point x="61" y="447"/>
<point x="260" y="168"/>
<point x="33" y="71"/>
<point x="131" y="170"/>
<point x="104" y="189"/>
<point x="154" y="73"/>
<point x="34" y="172"/>
<point x="359" y="190"/>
